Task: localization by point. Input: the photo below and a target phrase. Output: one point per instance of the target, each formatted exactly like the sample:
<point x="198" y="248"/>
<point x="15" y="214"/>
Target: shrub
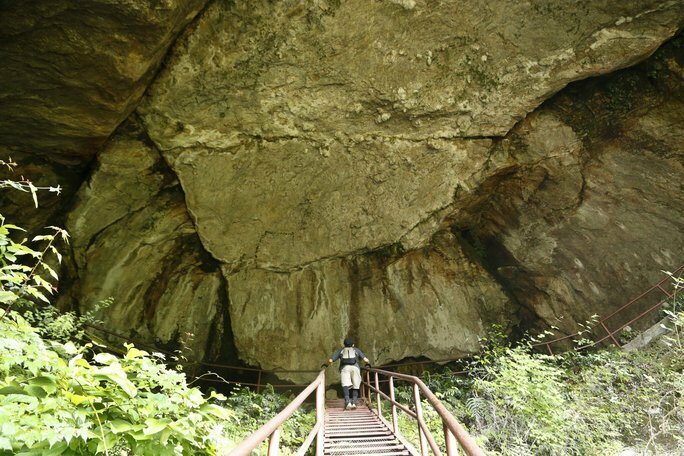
<point x="517" y="402"/>
<point x="55" y="400"/>
<point x="251" y="410"/>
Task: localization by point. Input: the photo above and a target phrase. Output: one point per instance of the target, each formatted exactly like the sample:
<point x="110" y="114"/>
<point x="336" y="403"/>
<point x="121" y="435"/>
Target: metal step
<point x="366" y="447"/>
<point x="361" y="451"/>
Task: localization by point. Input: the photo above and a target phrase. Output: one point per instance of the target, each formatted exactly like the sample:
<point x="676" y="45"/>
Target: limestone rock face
<point x="309" y="138"/>
<point x="308" y="132"/>
<point x="134" y="241"/>
<point x="592" y="212"/>
<point x="432" y="302"/>
<point x="72" y="71"/>
<point x="304" y="171"/>
<point x="282" y="205"/>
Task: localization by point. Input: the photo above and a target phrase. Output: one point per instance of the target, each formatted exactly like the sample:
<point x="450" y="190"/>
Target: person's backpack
<point x="348" y="356"/>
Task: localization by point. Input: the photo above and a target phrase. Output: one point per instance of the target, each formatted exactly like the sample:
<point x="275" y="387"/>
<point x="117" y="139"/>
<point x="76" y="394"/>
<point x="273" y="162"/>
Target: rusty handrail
<point x="453" y="431"/>
<point x="610" y="334"/>
<point x="271" y="430"/>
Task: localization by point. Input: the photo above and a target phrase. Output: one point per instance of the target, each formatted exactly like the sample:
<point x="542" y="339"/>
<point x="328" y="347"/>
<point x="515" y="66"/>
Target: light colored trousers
<point x="351" y="376"/>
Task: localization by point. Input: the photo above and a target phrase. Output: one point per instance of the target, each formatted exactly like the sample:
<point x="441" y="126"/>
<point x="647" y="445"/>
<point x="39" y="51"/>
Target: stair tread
<point x="358" y="432"/>
<point x="362" y="452"/>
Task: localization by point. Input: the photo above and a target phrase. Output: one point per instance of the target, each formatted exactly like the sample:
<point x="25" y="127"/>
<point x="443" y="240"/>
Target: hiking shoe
<point x="352" y="406"/>
<point x="347" y="406"/>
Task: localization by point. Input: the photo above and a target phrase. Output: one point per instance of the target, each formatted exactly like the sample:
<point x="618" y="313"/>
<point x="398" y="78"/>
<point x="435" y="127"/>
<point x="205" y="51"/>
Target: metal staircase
<point x="359" y="431"/>
<point x="364" y="431"/>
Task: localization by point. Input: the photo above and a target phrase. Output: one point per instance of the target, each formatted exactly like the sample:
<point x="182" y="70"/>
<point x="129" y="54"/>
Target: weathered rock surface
<point x="280" y="205"/>
<point x="432" y="302"/>
<point x="72" y="71"/>
<point x="337" y="158"/>
<point x="591" y="210"/>
<point x="308" y="132"/>
<point x="134" y="241"/>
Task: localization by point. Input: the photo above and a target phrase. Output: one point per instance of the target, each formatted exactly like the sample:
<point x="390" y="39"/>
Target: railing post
<point x="368" y="390"/>
<point x="450" y="441"/>
<point x="362" y="391"/>
<point x="377" y="394"/>
<point x="273" y="443"/>
<point x="258" y="382"/>
<point x="664" y="291"/>
<point x="395" y="422"/>
<point x="320" y="416"/>
<point x="419" y="417"/>
<point x="610" y="334"/>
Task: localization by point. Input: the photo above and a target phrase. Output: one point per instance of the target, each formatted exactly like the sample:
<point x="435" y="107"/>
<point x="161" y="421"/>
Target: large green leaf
<point x="140" y="436"/>
<point x="47" y="382"/>
<point x="217" y="411"/>
<point x="109" y="442"/>
<point x="118" y="426"/>
<point x="135" y="353"/>
<point x="13" y="227"/>
<point x="5" y="444"/>
<point x="12" y="389"/>
<point x="116" y="374"/>
<point x="7" y="296"/>
<point x="57" y="448"/>
<point x="152" y="426"/>
<point x="77" y="399"/>
<point x="35" y="391"/>
<point x="105" y="358"/>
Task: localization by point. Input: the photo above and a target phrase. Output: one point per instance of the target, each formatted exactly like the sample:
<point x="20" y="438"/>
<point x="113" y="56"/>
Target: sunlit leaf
<point x="118" y="426"/>
<point x="34" y="193"/>
<point x="104" y="358"/>
<point x="13" y="227"/>
<point x="135" y="353"/>
<point x="7" y="297"/>
<point x="56" y="449"/>
<point x="35" y="391"/>
<point x="11" y="390"/>
<point x="78" y="399"/>
<point x="152" y="426"/>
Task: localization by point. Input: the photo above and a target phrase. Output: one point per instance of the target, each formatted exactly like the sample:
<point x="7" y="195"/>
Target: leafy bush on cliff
<point x="60" y="398"/>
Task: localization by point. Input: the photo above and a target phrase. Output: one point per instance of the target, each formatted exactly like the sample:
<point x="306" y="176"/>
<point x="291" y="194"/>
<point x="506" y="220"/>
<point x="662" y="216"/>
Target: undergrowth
<point x="63" y="398"/>
<point x="518" y="402"/>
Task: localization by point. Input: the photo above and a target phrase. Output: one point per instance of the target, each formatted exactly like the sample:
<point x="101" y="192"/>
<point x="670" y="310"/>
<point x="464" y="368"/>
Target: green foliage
<point x="251" y="410"/>
<point x="61" y="326"/>
<point x="674" y="311"/>
<point x="57" y="397"/>
<point x="518" y="402"/>
<point x="522" y="404"/>
<point x="77" y="404"/>
<point x="24" y="185"/>
<point x="19" y="280"/>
